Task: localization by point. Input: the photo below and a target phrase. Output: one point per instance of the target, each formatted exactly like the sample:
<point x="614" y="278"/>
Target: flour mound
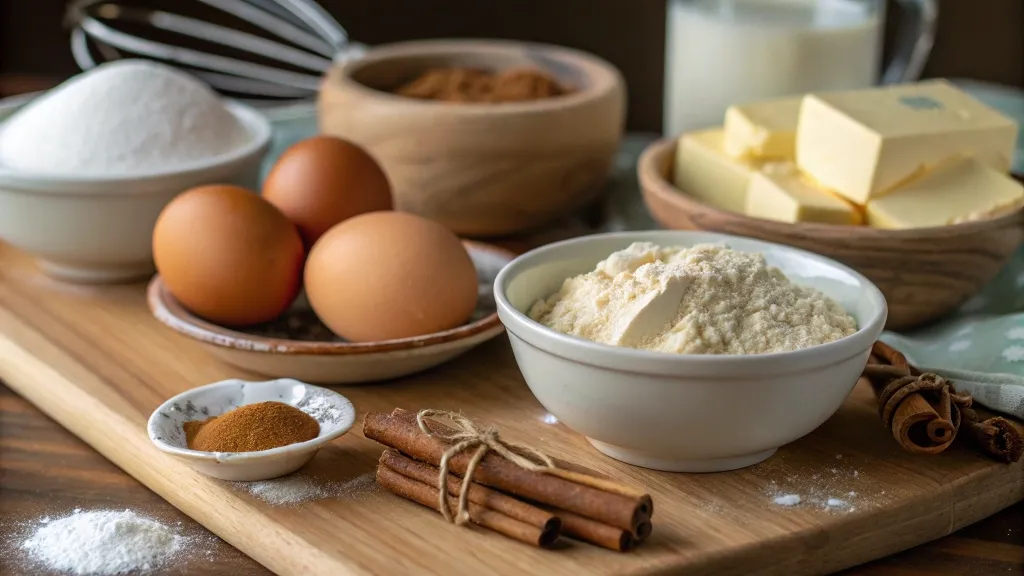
<point x="707" y="299"/>
<point x="120" y="118"/>
<point x="103" y="543"/>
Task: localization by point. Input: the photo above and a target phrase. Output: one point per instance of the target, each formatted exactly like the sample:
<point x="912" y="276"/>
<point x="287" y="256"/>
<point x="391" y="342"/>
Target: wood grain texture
<point x="94" y="360"/>
<point x="481" y="169"/>
<point x="45" y="470"/>
<point x="925" y="273"/>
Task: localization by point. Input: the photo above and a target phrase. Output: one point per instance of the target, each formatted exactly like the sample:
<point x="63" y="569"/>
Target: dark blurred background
<point x="977" y="39"/>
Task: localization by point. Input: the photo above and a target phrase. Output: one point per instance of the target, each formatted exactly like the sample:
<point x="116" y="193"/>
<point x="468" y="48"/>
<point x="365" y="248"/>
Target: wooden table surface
<point x="44" y="470"/>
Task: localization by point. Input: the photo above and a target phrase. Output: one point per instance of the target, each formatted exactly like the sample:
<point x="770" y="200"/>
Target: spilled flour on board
<point x="100" y="542"/>
<point x="301" y="487"/>
<point x="836" y="487"/>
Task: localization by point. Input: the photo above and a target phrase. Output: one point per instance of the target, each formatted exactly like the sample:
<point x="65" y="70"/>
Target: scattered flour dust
<point x="100" y="542"/>
<point x="707" y="299"/>
<point x="300" y="487"/>
<point x="832" y="488"/>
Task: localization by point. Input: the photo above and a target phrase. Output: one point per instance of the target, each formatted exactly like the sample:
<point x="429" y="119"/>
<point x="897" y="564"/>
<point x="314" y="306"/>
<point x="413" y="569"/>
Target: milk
<point x="723" y="52"/>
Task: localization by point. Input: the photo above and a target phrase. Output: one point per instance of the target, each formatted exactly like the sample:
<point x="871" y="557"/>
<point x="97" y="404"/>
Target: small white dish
<point x="297" y="345"/>
<point x="92" y="229"/>
<point x="686" y="412"/>
<point x="334" y="412"/>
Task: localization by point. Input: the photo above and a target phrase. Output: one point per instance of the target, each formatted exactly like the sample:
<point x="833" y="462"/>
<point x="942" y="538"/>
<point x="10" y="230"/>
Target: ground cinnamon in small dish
<point x="473" y="85"/>
<point x="251" y="428"/>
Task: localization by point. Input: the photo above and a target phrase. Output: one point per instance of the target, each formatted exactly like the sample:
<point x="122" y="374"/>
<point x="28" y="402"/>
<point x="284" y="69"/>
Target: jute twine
<point x="466" y="436"/>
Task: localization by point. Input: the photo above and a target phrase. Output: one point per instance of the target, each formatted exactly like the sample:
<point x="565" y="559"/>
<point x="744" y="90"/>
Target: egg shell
<point x="321" y="181"/>
<point x="228" y="255"/>
<point x="388" y="275"/>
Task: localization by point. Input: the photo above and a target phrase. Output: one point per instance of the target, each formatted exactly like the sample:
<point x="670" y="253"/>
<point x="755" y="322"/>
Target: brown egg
<point x="228" y="255"/>
<point x="322" y="181"/>
<point x="388" y="275"/>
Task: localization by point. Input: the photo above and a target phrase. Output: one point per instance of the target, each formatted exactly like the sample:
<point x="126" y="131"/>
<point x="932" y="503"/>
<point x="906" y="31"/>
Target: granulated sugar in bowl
<point x="86" y="168"/>
<point x="121" y="118"/>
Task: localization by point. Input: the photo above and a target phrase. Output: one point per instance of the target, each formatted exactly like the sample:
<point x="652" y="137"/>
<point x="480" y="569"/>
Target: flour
<point x="787" y="500"/>
<point x="103" y="542"/>
<point x="121" y="118"/>
<point x="299" y="487"/>
<point x="321" y="409"/>
<point x="702" y="300"/>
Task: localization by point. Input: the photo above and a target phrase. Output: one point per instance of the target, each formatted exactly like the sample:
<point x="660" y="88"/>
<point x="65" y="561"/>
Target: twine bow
<point x="466" y="436"/>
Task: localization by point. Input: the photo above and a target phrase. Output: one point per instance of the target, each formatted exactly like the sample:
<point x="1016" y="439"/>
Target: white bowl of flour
<point x="86" y="168"/>
<point x="702" y="370"/>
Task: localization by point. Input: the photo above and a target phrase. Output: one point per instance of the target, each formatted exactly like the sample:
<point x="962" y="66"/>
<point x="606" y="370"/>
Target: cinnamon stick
<point x="603" y="535"/>
<point x="427" y="495"/>
<point x="480" y="495"/>
<point x="890" y="355"/>
<point x="923" y="411"/>
<point x="911" y="422"/>
<point x="570" y="524"/>
<point x="401" y="432"/>
<point x="999" y="437"/>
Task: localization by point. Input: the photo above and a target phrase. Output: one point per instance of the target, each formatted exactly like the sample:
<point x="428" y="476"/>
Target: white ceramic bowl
<point x="684" y="413"/>
<point x="333" y="411"/>
<point x="99" y="229"/>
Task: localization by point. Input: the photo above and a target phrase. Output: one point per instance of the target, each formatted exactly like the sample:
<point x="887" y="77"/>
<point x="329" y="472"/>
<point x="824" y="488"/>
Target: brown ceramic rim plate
<point x="171" y="313"/>
<point x="654" y="165"/>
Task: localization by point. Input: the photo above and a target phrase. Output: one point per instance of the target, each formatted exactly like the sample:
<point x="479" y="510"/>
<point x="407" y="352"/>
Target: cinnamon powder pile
<point x="251" y="428"/>
<point x="474" y="85"/>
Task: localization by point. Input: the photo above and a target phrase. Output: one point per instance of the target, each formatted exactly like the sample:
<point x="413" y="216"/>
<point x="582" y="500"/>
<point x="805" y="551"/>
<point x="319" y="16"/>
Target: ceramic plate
<point x="298" y="345"/>
<point x="333" y="411"/>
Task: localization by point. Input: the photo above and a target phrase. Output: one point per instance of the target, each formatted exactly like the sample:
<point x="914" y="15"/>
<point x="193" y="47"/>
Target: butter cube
<point x="864" y="143"/>
<point x="763" y="130"/>
<point x="780" y="193"/>
<point x="958" y="191"/>
<point x="703" y="170"/>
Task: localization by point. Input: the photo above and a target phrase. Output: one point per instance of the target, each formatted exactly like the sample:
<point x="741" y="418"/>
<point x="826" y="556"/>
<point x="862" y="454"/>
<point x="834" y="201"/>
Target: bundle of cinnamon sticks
<point x="925" y="412"/>
<point x="528" y="505"/>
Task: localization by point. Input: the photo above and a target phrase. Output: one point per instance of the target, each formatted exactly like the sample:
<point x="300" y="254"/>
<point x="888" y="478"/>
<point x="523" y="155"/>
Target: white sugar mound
<point x="121" y="118"/>
<point x="103" y="542"/>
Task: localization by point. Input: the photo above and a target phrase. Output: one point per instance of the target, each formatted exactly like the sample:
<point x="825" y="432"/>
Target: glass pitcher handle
<point x="914" y="41"/>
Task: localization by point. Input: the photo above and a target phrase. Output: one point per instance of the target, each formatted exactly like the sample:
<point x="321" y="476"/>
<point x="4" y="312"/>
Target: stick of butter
<point x="763" y="130"/>
<point x="703" y="170"/>
<point x="958" y="191"/>
<point x="779" y="192"/>
<point x="865" y="143"/>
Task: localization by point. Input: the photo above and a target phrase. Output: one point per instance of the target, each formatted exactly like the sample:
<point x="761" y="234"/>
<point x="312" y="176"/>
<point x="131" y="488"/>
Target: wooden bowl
<point x="925" y="273"/>
<point x="481" y="169"/>
<point x="299" y="346"/>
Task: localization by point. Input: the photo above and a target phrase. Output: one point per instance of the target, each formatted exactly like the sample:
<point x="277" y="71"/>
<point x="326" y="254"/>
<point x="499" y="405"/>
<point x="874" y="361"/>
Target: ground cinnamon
<point x="473" y="85"/>
<point x="252" y="428"/>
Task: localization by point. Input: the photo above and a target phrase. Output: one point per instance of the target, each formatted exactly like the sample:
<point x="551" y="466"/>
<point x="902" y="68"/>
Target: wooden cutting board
<point x="93" y="359"/>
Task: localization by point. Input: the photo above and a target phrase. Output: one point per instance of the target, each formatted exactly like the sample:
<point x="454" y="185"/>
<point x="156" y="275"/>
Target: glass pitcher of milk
<point x="724" y="52"/>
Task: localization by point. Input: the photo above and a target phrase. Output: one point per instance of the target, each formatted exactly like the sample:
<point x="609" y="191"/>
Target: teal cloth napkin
<point x="981" y="346"/>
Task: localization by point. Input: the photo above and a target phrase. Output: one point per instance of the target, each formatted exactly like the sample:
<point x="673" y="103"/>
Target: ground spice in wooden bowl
<point x="251" y="428"/>
<point x="474" y="85"/>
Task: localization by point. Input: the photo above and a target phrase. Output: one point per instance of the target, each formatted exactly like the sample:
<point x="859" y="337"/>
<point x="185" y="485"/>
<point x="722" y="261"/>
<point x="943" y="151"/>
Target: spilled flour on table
<point x="301" y="487"/>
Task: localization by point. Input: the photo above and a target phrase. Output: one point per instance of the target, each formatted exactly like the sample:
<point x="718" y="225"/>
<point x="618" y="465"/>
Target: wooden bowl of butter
<point x="482" y="166"/>
<point x="907" y="184"/>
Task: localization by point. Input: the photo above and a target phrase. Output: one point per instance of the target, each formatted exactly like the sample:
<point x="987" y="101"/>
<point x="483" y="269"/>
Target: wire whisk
<point x="304" y="40"/>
